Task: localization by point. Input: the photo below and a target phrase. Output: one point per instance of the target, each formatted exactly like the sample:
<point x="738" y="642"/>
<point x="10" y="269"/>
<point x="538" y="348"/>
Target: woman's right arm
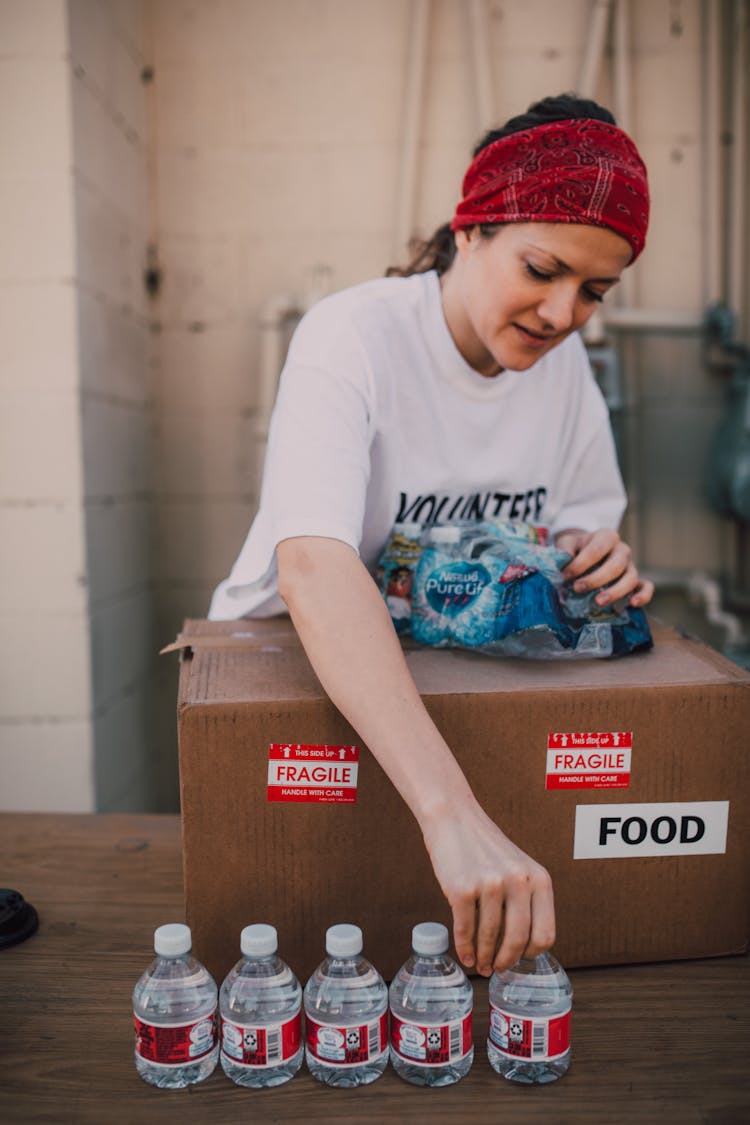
<point x="501" y="899"/>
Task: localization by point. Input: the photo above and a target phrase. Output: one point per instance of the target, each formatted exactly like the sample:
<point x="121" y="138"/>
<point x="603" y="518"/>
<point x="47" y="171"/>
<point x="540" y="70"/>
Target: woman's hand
<point x="601" y="559"/>
<point x="501" y="899"/>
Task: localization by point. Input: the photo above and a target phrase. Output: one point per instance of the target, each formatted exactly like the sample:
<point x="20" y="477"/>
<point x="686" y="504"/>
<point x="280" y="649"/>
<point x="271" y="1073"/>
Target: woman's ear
<point x="466" y="238"/>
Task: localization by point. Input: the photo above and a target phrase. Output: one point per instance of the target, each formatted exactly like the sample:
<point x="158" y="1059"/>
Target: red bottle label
<point x="176" y="1044"/>
<point x="537" y="1039"/>
<point x="347" y="1046"/>
<point x="431" y="1044"/>
<point x="250" y="1045"/>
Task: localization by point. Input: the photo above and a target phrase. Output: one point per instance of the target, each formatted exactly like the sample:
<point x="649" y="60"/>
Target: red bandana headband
<point x="574" y="171"/>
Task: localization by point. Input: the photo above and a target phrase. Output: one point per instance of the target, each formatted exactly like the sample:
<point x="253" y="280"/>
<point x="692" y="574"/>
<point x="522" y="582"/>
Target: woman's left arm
<point x="601" y="559"/>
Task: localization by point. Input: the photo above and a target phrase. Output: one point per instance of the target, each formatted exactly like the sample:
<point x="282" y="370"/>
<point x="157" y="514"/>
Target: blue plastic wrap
<point x="497" y="588"/>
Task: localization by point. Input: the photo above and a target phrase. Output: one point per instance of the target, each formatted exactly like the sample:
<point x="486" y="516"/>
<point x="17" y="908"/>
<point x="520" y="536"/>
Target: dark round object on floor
<point x="18" y="918"/>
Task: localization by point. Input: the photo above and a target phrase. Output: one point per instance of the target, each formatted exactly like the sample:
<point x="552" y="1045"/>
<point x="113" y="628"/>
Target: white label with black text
<point x="662" y="828"/>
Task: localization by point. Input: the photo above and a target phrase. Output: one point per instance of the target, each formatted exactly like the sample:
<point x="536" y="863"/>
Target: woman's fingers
<point x="599" y="562"/>
<point x="514" y="917"/>
<point x="588" y="549"/>
<point x="490" y="920"/>
<point x="516" y="930"/>
<point x="500" y="897"/>
<point x="464" y="929"/>
<point x="603" y="562"/>
<point x="643" y="592"/>
<point x="543" y="931"/>
<point x="640" y="590"/>
<point x="529" y="920"/>
<point x="618" y="587"/>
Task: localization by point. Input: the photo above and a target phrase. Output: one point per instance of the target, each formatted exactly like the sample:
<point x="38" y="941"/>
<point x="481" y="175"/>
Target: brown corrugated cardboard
<point x="247" y="685"/>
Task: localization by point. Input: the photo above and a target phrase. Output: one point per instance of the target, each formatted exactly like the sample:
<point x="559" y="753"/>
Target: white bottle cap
<point x="429" y="938"/>
<point x="343" y="941"/>
<point x="259" y="940"/>
<point x="172" y="940"/>
<point x="445" y="534"/>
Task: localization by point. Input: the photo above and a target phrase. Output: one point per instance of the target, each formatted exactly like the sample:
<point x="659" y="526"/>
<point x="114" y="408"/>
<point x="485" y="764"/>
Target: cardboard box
<point x="628" y="779"/>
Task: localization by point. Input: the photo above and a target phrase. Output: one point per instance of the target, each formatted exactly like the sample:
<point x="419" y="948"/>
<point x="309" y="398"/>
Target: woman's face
<point x="510" y="299"/>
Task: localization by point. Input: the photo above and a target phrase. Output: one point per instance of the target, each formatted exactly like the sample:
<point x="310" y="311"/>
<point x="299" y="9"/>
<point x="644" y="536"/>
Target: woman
<point x="459" y="389"/>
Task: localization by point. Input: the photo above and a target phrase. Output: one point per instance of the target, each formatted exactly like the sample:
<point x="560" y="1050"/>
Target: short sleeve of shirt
<point x="318" y="466"/>
<point x="596" y="497"/>
<point x="317" y="463"/>
<point x="589" y="475"/>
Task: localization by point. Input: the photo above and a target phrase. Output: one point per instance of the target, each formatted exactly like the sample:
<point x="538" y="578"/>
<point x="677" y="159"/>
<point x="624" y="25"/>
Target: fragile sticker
<point x="589" y="759"/>
<point x="320" y="774"/>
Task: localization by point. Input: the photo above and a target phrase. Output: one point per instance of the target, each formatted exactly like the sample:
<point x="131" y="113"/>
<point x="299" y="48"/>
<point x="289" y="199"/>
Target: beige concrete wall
<point x="46" y="738"/>
<point x="75" y="440"/>
<point x="112" y="226"/>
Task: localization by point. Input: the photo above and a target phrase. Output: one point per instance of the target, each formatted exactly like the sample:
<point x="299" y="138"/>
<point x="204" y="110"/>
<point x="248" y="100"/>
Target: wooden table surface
<point x="651" y="1043"/>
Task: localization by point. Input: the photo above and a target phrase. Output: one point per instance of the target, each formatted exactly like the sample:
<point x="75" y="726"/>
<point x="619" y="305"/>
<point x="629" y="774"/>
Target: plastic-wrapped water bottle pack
<point x="497" y="588"/>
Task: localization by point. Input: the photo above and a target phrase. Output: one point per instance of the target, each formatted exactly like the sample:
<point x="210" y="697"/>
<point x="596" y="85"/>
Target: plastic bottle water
<point x="433" y="599"/>
<point x="346" y="1014"/>
<point x="261" y="1024"/>
<point x="431" y="1002"/>
<point x="529" y="1035"/>
<point x="397" y="564"/>
<point x="475" y="623"/>
<point x="174" y="1009"/>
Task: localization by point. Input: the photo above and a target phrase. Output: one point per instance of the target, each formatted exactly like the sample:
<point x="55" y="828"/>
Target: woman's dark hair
<point x="438" y="252"/>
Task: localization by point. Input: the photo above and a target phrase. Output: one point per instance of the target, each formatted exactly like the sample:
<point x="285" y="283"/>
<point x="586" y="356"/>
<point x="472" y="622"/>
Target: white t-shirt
<point x="379" y="418"/>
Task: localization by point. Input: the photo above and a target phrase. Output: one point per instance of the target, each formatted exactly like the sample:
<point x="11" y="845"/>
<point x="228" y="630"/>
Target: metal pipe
<point x="594" y="49"/>
<point x="713" y="231"/>
<point x="674" y="320"/>
<point x="737" y="243"/>
<point x="621" y="65"/>
<point x="631" y="429"/>
<point x="626" y="290"/>
<point x="415" y="73"/>
<point x="480" y="51"/>
<point x="737" y="248"/>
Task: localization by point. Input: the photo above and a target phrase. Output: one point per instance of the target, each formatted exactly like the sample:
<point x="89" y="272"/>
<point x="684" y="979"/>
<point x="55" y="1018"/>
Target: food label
<point x="431" y="1044"/>
<point x="318" y="774"/>
<point x="347" y="1046"/>
<point x="538" y="1039"/>
<point x="176" y="1044"/>
<point x="659" y="828"/>
<point x="253" y="1046"/>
